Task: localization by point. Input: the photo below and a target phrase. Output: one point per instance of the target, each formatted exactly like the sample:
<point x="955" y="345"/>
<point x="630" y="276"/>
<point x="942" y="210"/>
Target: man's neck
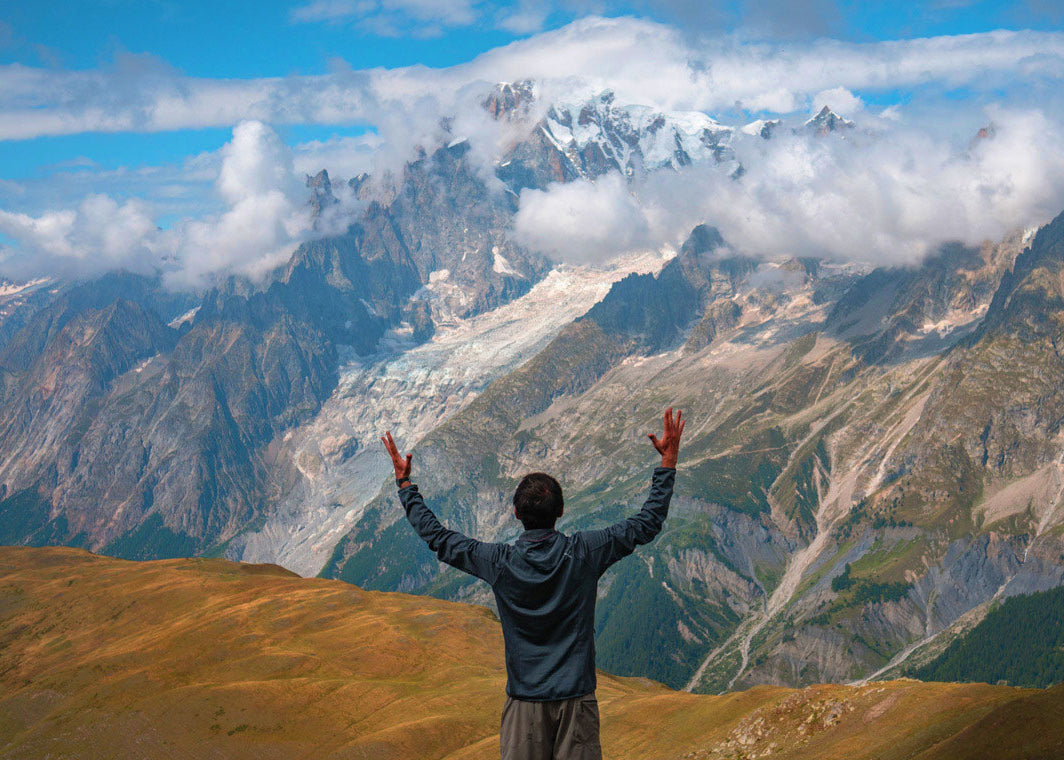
<point x="536" y="534"/>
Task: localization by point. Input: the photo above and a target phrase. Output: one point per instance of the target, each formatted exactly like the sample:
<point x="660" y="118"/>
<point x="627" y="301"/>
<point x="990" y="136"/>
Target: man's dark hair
<point x="538" y="500"/>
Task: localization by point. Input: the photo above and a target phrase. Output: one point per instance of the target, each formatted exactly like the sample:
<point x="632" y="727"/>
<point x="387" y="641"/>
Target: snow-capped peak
<point x="761" y="127"/>
<point x="827" y="121"/>
<point x="628" y="136"/>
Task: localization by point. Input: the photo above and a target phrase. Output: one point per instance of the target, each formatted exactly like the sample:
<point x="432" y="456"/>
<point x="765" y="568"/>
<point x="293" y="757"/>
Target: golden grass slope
<point x="204" y="658"/>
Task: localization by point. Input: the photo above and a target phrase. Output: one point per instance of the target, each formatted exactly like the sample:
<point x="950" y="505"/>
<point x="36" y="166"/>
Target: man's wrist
<point x="402" y="482"/>
<point x="669" y="462"/>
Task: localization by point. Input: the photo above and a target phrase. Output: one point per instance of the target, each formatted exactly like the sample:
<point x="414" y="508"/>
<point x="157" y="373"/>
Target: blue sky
<point x="272" y="38"/>
<point x="130" y="107"/>
<point x="268" y="38"/>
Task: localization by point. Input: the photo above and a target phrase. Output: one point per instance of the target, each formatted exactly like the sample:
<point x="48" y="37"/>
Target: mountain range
<point x="874" y="458"/>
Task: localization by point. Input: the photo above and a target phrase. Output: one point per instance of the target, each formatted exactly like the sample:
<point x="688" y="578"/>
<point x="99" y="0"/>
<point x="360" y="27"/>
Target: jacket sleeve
<point x="606" y="546"/>
<point x="467" y="554"/>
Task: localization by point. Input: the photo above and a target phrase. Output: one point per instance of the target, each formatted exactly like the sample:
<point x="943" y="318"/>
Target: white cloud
<point x="894" y="198"/>
<point x="98" y="235"/>
<point x="255" y="163"/>
<point x="266" y="215"/>
<point x="643" y="62"/>
<point x="582" y="222"/>
<point x="390" y="17"/>
<point x="883" y="197"/>
<point x="839" y="99"/>
<point x="342" y="156"/>
<point x="329" y="10"/>
<point x="888" y="198"/>
<point x="526" y="17"/>
<point x="891" y="113"/>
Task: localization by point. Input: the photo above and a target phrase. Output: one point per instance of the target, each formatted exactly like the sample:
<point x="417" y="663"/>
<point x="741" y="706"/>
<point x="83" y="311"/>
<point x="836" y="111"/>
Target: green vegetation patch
<point x="383" y="561"/>
<point x="57" y="532"/>
<point x="1020" y="641"/>
<point x="891" y="562"/>
<point x="152" y="540"/>
<point x="806" y="493"/>
<point x="695" y="532"/>
<point x="741" y="481"/>
<point x="940" y="495"/>
<point x="717" y="676"/>
<point x="859" y="591"/>
<point x="21" y="514"/>
<point x="638" y="631"/>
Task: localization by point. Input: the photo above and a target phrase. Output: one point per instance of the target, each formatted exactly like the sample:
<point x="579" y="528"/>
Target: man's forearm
<point x="465" y="553"/>
<point x="420" y="516"/>
<point x="648" y="522"/>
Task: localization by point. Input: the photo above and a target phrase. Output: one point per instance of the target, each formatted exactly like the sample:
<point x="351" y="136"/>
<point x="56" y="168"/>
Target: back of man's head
<point x="538" y="500"/>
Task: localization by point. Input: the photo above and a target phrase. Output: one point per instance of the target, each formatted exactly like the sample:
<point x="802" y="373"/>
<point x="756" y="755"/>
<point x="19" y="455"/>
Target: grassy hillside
<point x="1020" y="641"/>
<point x="101" y="657"/>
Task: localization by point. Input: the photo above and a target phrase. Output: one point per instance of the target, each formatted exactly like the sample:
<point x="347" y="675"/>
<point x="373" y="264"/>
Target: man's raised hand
<point x="401" y="465"/>
<point x="669" y="445"/>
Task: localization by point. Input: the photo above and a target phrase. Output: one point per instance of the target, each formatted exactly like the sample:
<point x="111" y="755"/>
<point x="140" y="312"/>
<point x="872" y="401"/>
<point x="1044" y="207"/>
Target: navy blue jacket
<point x="545" y="587"/>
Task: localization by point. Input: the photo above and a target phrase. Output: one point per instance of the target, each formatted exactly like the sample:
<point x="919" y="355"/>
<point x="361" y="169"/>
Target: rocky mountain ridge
<point x="148" y="439"/>
<point x="586" y="137"/>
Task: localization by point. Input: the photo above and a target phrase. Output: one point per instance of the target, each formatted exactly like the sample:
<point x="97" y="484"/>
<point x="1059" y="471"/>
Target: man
<point x="545" y="588"/>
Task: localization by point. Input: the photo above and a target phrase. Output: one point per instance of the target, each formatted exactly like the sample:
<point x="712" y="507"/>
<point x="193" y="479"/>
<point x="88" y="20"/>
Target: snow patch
<point x="956" y="318"/>
<point x="141" y="367"/>
<point x="501" y="264"/>
<point x="9" y="289"/>
<point x="188" y="316"/>
<point x="634" y="135"/>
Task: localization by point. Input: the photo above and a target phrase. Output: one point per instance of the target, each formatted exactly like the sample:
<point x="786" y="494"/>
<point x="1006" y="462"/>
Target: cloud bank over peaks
<point x="585" y="221"/>
<point x="885" y="198"/>
<point x="642" y="61"/>
<point x="895" y="187"/>
<point x="266" y="215"/>
<point x="263" y="220"/>
<point x="98" y="235"/>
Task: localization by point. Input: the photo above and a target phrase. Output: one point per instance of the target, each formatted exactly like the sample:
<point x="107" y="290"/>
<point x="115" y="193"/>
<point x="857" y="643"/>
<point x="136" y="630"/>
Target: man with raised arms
<point x="545" y="588"/>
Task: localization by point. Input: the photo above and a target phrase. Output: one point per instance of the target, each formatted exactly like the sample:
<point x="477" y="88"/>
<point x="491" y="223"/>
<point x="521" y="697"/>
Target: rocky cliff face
<point x="141" y="439"/>
<point x="19" y="301"/>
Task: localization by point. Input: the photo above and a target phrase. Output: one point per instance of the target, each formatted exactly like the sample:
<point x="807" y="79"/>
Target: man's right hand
<point x="669" y="445"/>
<point x="400" y="464"/>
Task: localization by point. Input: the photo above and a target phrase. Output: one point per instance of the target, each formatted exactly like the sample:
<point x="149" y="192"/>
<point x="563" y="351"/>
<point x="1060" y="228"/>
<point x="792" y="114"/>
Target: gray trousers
<point x="567" y="729"/>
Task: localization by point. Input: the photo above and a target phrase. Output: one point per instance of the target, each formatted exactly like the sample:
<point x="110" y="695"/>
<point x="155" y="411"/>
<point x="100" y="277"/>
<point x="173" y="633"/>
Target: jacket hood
<point x="543" y="549"/>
